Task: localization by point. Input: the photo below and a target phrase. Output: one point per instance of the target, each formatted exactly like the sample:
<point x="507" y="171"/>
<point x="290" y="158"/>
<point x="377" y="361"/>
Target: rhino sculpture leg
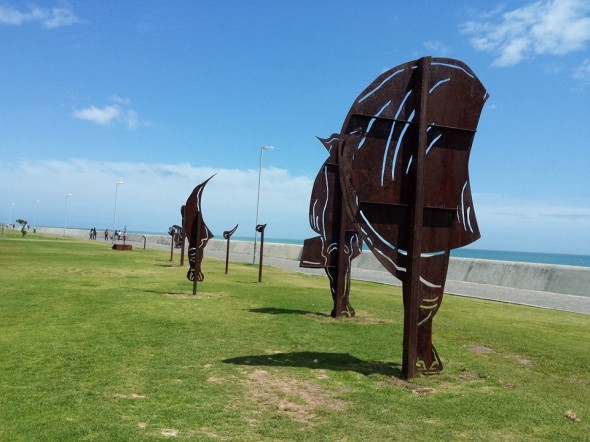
<point x="318" y="253"/>
<point x="428" y="359"/>
<point x="432" y="284"/>
<point x="194" y="258"/>
<point x="342" y="307"/>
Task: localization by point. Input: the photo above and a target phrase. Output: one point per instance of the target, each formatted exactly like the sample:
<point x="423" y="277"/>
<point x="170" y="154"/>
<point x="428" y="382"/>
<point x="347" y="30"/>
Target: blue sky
<point x="162" y="94"/>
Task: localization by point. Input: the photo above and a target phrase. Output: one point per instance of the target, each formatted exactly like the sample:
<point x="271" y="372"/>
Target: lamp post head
<point x="120" y="182"/>
<point x="267" y="147"/>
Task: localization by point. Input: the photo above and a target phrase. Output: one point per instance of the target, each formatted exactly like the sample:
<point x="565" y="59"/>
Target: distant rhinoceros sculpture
<point x="196" y="231"/>
<point x="326" y="218"/>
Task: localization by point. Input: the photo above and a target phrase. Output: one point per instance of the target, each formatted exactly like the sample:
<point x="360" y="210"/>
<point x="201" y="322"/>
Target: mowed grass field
<point x="106" y="345"/>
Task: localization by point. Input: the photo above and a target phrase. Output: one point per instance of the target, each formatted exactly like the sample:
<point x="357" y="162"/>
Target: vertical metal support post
<point x="227" y="256"/>
<point x="261" y="229"/>
<point x="262" y="149"/>
<point x="342" y="264"/>
<point x="197" y="271"/>
<point x="411" y="287"/>
<point x="227" y="235"/>
<point x="257" y="206"/>
<point x="182" y="248"/>
<point x="182" y="208"/>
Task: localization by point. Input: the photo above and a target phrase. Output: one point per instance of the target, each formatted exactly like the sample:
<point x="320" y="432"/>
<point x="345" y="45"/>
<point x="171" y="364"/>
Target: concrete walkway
<point x="533" y="298"/>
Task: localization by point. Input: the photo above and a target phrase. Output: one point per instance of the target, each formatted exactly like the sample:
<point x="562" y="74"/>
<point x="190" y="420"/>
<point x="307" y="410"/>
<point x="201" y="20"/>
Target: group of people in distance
<point x="118" y="234"/>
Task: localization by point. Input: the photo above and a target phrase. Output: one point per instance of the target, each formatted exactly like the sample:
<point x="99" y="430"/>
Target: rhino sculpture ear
<point x="331" y="142"/>
<point x="208" y="179"/>
<point x="228" y="233"/>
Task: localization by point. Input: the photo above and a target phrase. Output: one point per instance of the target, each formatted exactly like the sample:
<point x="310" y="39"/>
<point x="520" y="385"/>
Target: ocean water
<point x="535" y="257"/>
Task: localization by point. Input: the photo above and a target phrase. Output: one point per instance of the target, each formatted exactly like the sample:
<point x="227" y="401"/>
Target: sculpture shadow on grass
<point x="285" y="311"/>
<point x="317" y="360"/>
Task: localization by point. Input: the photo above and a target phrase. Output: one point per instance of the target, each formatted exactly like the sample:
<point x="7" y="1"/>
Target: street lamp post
<point x="115" y="211"/>
<point x="66" y="213"/>
<point x="10" y="212"/>
<point x="35" y="215"/>
<point x="262" y="149"/>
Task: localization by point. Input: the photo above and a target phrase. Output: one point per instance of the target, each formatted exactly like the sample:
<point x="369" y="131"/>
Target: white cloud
<point x="116" y="99"/>
<point x="130" y="118"/>
<point x="48" y="18"/>
<point x="104" y="115"/>
<point x="499" y="205"/>
<point x="554" y="27"/>
<point x="151" y="197"/>
<point x="438" y="48"/>
<point x="527" y="225"/>
<point x="117" y="112"/>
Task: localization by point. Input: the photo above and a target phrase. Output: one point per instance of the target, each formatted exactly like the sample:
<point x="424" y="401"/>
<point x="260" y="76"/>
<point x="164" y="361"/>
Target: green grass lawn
<point x="106" y="345"/>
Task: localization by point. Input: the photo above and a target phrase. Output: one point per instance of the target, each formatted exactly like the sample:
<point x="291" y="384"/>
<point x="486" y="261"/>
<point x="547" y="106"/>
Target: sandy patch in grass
<point x="296" y="399"/>
<point x="521" y="360"/>
<point x="410" y="386"/>
<point x="128" y="396"/>
<point x="321" y="374"/>
<point x="479" y="349"/>
<point x="199" y="295"/>
<point x="215" y="380"/>
<point x="209" y="433"/>
<point x="506" y="384"/>
<point x="470" y="376"/>
<point x="362" y="317"/>
<point x="572" y="416"/>
<point x="322" y="317"/>
<point x="169" y="432"/>
<point x="447" y="384"/>
<point x="270" y="351"/>
<point x="423" y="391"/>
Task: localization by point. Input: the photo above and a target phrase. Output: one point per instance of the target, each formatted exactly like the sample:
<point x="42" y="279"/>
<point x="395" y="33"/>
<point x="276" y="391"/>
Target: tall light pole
<point x="10" y="212"/>
<point x="262" y="149"/>
<point x="115" y="211"/>
<point x="35" y="215"/>
<point x="66" y="213"/>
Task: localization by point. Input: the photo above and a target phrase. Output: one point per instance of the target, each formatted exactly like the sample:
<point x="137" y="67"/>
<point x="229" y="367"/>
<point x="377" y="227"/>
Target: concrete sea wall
<point x="568" y="280"/>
